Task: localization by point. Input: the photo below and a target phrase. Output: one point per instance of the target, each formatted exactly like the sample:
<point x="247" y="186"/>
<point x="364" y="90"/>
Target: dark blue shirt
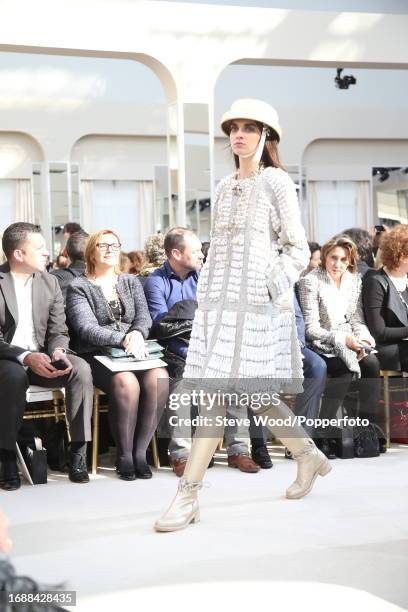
<point x="163" y="288"/>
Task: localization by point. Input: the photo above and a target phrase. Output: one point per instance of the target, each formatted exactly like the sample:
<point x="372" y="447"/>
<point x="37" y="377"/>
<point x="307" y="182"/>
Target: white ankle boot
<point x="310" y="463"/>
<point x="183" y="510"/>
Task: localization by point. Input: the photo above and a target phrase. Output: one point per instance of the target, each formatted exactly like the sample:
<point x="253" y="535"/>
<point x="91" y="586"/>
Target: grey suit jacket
<point x="48" y="314"/>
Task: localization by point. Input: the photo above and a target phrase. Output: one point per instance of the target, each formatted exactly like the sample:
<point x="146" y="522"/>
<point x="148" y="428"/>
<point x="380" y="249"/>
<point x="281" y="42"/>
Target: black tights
<point x="136" y="401"/>
<point x="136" y="405"/>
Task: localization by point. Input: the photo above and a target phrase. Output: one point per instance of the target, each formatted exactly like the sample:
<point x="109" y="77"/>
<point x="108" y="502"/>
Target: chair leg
<point x="155" y="451"/>
<point x="95" y="434"/>
<point x="387" y="409"/>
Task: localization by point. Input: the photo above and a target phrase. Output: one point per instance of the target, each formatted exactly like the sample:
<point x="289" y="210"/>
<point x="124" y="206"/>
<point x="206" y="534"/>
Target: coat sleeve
<point x="83" y="320"/>
<point x="283" y="272"/>
<point x="57" y="331"/>
<point x="309" y="302"/>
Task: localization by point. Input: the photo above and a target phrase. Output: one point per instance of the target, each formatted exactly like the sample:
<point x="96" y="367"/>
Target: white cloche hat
<point x="250" y="108"/>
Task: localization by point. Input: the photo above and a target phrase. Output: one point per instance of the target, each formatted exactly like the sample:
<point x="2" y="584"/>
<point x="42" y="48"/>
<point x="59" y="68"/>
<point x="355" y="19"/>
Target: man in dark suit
<point x="33" y="336"/>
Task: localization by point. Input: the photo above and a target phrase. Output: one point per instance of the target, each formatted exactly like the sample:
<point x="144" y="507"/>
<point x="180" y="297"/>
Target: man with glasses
<point x="34" y="350"/>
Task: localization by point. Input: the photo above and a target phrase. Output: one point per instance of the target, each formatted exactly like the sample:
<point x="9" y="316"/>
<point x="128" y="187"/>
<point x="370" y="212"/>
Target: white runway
<point x="352" y="531"/>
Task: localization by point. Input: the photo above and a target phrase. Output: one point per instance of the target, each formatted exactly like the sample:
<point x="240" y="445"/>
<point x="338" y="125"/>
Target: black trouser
<point x="14" y="382"/>
<point x="341" y="381"/>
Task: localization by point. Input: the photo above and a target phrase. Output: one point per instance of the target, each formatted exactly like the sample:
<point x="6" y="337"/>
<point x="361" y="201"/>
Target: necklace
<point x="237" y="183"/>
<point x="115" y="307"/>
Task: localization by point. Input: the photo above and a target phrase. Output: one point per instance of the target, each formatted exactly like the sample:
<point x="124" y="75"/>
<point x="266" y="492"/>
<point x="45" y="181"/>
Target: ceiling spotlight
<point x="345" y="81"/>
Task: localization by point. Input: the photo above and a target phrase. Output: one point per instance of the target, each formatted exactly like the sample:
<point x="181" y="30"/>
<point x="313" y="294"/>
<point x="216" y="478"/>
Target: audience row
<point x="352" y="320"/>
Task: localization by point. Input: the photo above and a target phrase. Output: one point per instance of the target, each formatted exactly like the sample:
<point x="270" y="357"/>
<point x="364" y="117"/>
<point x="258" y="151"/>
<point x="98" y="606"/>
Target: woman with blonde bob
<point x="385" y="300"/>
<point x="331" y="302"/>
<point x="244" y="327"/>
<point x="108" y="309"/>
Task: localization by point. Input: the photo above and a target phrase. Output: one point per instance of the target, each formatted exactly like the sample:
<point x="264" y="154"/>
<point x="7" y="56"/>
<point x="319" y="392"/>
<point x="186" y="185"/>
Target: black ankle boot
<point x="261" y="456"/>
<point x="9" y="478"/>
<point x="77" y="468"/>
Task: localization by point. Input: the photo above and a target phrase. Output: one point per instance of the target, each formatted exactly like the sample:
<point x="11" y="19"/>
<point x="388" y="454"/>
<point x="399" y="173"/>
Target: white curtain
<point x="338" y="205"/>
<point x="86" y="205"/>
<point x="364" y="207"/>
<point x="23" y="201"/>
<point x="7" y="197"/>
<point x="126" y="207"/>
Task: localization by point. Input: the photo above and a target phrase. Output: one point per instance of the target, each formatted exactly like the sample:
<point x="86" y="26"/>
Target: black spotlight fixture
<point x="344" y="82"/>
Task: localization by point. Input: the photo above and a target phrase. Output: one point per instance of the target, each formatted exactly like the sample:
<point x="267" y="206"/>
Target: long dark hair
<point x="270" y="154"/>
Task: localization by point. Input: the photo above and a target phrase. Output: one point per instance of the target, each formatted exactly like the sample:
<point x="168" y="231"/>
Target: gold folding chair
<point x="386" y="374"/>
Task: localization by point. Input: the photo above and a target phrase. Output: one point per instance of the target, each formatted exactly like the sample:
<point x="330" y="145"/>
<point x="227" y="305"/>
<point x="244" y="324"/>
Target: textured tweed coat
<point x="244" y="326"/>
<point x="330" y="313"/>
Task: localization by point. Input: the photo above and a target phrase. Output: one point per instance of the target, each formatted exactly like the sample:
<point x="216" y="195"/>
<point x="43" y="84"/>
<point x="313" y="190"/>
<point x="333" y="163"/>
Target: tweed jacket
<point x="48" y="314"/>
<point x="88" y="314"/>
<point x="331" y="313"/>
<point x="244" y="327"/>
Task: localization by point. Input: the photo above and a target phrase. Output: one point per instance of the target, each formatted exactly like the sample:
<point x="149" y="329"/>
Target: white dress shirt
<point x="24" y="335"/>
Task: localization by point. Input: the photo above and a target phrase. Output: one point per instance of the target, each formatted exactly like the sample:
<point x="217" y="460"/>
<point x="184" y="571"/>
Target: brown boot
<point x="243" y="463"/>
<point x="179" y="465"/>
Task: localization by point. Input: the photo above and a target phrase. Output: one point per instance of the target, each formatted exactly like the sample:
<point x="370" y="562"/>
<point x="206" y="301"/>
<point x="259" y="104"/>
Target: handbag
<point x="399" y="422"/>
<point x="36" y="461"/>
<point x="366" y="443"/>
<point x="154" y="351"/>
<point x="56" y="442"/>
<point x="344" y="443"/>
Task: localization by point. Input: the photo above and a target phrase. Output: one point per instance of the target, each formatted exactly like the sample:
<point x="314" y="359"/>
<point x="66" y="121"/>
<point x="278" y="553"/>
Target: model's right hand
<point x="40" y="364"/>
<point x="352" y="343"/>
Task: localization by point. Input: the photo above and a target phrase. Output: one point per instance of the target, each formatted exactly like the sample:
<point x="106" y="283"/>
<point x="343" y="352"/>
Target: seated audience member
<point x="314" y="260"/>
<point x="33" y="336"/>
<point x="173" y="283"/>
<point x="307" y="403"/>
<point x="205" y="247"/>
<point x="108" y="309"/>
<point x="364" y="244"/>
<point x="75" y="249"/>
<point x="331" y="302"/>
<point x="61" y="262"/>
<point x="154" y="255"/>
<point x="385" y="300"/>
<point x="71" y="228"/>
<point x="124" y="262"/>
<point x="137" y="260"/>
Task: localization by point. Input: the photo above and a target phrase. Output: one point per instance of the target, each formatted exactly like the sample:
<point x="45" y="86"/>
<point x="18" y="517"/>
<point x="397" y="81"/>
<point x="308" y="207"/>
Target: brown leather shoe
<point x="243" y="463"/>
<point x="179" y="465"/>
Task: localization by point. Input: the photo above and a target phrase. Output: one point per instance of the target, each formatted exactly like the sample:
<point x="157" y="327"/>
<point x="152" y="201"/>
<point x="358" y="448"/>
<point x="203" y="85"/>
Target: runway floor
<point x="352" y="531"/>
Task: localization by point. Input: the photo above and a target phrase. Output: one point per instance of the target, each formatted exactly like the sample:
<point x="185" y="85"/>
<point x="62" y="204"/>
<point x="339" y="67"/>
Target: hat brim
<point x="229" y="116"/>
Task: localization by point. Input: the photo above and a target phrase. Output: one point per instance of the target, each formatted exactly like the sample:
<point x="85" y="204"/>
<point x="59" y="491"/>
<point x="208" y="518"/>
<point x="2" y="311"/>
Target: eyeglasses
<point x="105" y="246"/>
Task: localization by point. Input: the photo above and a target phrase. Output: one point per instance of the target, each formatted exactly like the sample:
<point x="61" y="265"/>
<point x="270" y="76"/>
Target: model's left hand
<point x="56" y="356"/>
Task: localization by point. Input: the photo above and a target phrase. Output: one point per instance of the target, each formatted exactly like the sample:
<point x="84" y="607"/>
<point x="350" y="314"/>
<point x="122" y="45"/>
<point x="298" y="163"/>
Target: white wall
<point x="118" y="158"/>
